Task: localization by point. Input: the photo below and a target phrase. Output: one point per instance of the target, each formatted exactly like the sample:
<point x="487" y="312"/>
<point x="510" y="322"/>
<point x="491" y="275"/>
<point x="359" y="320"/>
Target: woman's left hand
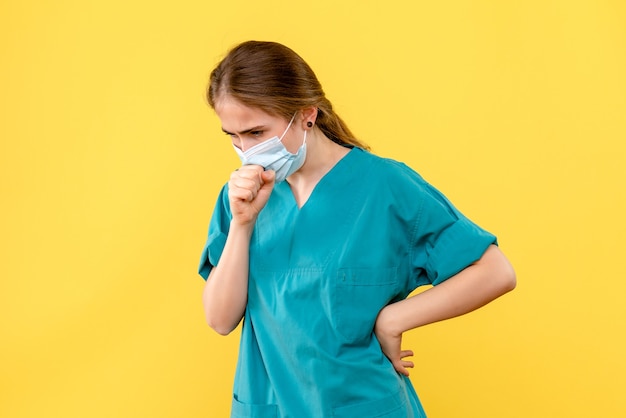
<point x="391" y="343"/>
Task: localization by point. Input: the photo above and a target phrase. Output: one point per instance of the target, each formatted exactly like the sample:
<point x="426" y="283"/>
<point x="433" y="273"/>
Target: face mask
<point x="272" y="155"/>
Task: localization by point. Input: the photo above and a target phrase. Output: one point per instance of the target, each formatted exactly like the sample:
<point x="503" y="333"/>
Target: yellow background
<point x="110" y="163"/>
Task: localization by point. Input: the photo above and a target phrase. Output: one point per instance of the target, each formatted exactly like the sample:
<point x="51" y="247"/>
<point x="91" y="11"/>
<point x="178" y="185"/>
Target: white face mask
<point x="272" y="155"/>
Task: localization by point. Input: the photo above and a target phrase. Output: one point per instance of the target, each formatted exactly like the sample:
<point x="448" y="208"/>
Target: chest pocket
<point x="359" y="294"/>
<point x="242" y="410"/>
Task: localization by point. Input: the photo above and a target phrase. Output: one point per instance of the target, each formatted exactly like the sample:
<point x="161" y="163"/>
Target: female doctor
<point x="316" y="243"/>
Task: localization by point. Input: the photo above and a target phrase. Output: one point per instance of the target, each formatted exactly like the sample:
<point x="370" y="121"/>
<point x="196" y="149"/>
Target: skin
<point x="225" y="292"/>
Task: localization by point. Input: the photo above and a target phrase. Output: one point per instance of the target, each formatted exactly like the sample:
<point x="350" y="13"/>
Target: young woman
<point x="316" y="243"/>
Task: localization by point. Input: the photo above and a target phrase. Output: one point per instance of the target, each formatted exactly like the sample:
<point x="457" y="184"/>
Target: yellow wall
<point x="110" y="163"/>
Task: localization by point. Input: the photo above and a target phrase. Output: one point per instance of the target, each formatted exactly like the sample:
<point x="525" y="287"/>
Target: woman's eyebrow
<point x="246" y="131"/>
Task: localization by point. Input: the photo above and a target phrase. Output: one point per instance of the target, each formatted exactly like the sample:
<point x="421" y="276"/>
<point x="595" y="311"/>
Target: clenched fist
<point x="249" y="189"/>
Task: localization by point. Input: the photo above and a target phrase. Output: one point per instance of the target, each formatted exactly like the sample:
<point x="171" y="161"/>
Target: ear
<point x="309" y="114"/>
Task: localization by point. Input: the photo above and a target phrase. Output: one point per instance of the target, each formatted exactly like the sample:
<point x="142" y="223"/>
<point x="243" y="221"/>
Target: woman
<point x="317" y="243"/>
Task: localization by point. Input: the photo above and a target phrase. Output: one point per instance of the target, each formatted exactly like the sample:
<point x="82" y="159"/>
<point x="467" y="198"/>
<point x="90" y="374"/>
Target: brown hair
<point x="271" y="77"/>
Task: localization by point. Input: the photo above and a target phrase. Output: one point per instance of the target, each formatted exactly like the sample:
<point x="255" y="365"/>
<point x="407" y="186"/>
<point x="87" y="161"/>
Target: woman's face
<point x="249" y="126"/>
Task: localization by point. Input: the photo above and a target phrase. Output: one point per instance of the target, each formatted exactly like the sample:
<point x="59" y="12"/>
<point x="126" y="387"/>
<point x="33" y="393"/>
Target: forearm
<point x="475" y="286"/>
<point x="226" y="291"/>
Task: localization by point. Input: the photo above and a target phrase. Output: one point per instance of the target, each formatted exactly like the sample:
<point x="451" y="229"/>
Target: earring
<point x="309" y="124"/>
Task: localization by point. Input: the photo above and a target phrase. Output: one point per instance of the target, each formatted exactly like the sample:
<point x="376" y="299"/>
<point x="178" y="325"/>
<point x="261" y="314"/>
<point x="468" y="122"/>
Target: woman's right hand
<point x="249" y="189"/>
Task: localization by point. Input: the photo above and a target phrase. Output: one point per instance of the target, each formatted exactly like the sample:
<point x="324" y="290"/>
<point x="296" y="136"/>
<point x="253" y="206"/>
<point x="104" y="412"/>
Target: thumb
<point x="268" y="178"/>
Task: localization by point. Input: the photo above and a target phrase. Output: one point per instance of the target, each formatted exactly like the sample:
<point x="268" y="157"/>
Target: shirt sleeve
<point x="445" y="241"/>
<point x="218" y="231"/>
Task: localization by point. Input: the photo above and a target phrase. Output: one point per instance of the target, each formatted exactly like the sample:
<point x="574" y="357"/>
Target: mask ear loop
<point x="288" y="126"/>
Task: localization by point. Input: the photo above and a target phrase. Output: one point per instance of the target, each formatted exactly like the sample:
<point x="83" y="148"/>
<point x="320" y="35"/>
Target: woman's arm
<point x="478" y="284"/>
<point x="226" y="291"/>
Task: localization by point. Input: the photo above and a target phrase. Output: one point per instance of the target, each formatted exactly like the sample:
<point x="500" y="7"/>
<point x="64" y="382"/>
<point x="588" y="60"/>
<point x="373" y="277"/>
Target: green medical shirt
<point x="370" y="233"/>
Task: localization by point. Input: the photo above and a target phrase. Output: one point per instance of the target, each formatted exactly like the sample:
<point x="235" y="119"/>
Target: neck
<point x="321" y="156"/>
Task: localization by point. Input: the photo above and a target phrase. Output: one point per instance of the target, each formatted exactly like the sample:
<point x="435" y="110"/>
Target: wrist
<point x="241" y="228"/>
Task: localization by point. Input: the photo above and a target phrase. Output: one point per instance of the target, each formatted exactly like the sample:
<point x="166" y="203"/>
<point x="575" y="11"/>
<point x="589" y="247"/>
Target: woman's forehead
<point x="236" y="116"/>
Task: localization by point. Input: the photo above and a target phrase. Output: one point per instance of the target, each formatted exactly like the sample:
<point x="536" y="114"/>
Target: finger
<point x="250" y="171"/>
<point x="406" y="353"/>
<point x="400" y="369"/>
<point x="246" y="194"/>
<point x="268" y="176"/>
<point x="248" y="175"/>
<point x="245" y="183"/>
<point x="408" y="364"/>
<point x="239" y="194"/>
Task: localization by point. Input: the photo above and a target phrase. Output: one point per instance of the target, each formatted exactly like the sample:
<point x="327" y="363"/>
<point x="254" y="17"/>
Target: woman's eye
<point x="256" y="133"/>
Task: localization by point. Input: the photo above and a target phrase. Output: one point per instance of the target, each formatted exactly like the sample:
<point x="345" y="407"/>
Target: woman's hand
<point x="249" y="189"/>
<point x="391" y="343"/>
<point x="476" y="285"/>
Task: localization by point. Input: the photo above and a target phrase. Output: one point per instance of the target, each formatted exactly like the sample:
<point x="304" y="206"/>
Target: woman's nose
<point x="244" y="144"/>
